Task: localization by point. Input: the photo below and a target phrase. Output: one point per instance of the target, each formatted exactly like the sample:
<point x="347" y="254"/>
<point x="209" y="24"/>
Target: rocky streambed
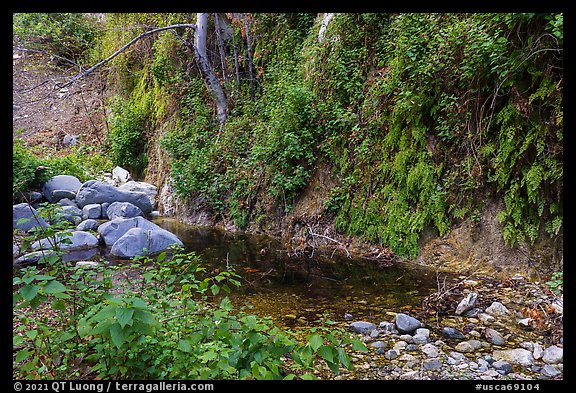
<point x="509" y="330"/>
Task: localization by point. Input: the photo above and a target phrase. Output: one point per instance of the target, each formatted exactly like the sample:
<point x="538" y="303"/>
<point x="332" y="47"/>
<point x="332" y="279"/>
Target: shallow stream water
<point x="299" y="290"/>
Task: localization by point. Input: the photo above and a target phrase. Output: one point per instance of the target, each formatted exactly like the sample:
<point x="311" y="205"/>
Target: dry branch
<point x="106" y="60"/>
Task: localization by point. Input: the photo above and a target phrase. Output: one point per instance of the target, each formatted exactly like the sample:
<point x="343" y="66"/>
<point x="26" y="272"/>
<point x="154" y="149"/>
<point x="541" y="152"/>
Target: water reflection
<point x="301" y="288"/>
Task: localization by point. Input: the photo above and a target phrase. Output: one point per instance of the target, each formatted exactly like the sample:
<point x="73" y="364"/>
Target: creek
<point x="297" y="291"/>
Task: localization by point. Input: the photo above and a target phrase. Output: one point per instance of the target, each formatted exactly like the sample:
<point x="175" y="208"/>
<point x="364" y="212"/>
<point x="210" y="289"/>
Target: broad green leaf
<point x="42" y="277"/>
<point x="124" y="316"/>
<point x="117" y="334"/>
<point x="22" y="355"/>
<point x="17" y="340"/>
<point x="315" y="341"/>
<point x="309" y="377"/>
<point x="344" y="359"/>
<point x="106" y="312"/>
<point x="326" y="353"/>
<point x="139" y="303"/>
<point x="215" y="289"/>
<point x="358" y="345"/>
<point x="184" y="345"/>
<point x="144" y="316"/>
<point x="31" y="334"/>
<point x="29" y="292"/>
<point x="208" y="355"/>
<point x="54" y="287"/>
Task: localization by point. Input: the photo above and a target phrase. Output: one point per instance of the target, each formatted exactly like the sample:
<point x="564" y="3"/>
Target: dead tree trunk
<point x="210" y="78"/>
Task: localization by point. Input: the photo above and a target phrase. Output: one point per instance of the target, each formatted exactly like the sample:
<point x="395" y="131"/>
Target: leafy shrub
<point x="170" y="321"/>
<point x="24" y="165"/>
<point x="126" y="137"/>
<point x="69" y="35"/>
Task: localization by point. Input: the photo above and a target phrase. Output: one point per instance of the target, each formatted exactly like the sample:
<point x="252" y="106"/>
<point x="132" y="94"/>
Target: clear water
<point x="299" y="290"/>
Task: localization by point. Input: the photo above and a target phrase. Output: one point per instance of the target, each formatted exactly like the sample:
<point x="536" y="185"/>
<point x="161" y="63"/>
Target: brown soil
<point x="43" y="113"/>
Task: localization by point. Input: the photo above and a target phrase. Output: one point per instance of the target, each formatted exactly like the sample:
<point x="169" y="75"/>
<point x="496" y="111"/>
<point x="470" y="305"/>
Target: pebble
<point x="411" y="347"/>
<point x="494" y="337"/>
<point x="406" y="337"/>
<point x="406" y="324"/>
<point x="464" y="346"/>
<point x="526" y="345"/>
<point x="362" y="327"/>
<point x="486" y="318"/>
<point x="432" y="364"/>
<point x="497" y="309"/>
<point x="553" y="355"/>
<point x="420" y="339"/>
<point x="450" y="332"/>
<point x="391" y="354"/>
<point x="378" y="344"/>
<point x="430" y="350"/>
<point x="519" y="356"/>
<point x="399" y="345"/>
<point x="537" y="351"/>
<point x="550" y="370"/>
<point x="501" y="365"/>
<point x="409" y="375"/>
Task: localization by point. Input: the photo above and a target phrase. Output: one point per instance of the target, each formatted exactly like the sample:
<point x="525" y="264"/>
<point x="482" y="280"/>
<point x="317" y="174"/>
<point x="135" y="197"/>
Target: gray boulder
<point x="113" y="230"/>
<point x="25" y="217"/>
<point x="138" y="241"/>
<point x="122" y="209"/>
<point x="67" y="202"/>
<point x="94" y="191"/>
<point x="93" y="210"/>
<point x="553" y="355"/>
<point x="75" y="240"/>
<point x="61" y="194"/>
<point x="120" y="176"/>
<point x="406" y="323"/>
<point x="139" y="186"/>
<point x="88" y="225"/>
<point x="60" y="182"/>
<point x="69" y="213"/>
<point x="362" y="327"/>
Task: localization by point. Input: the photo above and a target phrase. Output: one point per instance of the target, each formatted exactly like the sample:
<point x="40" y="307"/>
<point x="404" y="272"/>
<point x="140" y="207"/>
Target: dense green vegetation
<point x="422" y="118"/>
<point x="167" y="319"/>
<point x="82" y="162"/>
